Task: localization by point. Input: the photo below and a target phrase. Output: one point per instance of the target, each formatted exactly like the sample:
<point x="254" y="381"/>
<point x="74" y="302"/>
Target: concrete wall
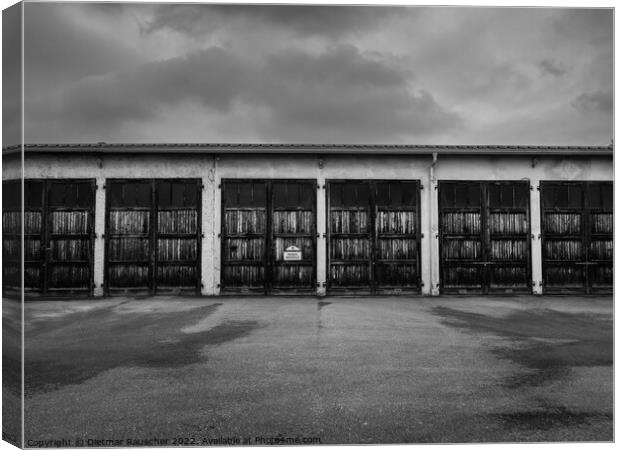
<point x="212" y="169"/>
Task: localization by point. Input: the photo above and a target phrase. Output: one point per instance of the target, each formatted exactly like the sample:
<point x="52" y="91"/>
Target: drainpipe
<point x="431" y="242"/>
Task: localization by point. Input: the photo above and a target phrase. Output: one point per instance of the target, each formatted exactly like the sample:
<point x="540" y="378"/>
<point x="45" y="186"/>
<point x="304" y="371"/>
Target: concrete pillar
<point x="425" y="229"/>
<point x="321" y="229"/>
<point x="537" y="276"/>
<point x="216" y="219"/>
<point x="433" y="214"/>
<point x="99" y="250"/>
<point x="209" y="231"/>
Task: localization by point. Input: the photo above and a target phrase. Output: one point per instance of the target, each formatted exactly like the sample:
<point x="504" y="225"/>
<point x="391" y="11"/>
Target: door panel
<point x="350" y="235"/>
<point x="34" y="236"/>
<point x="178" y="234"/>
<point x="153" y="230"/>
<point x="577" y="236"/>
<point x="12" y="237"/>
<point x="484" y="236"/>
<point x="69" y="234"/>
<point x="396" y="229"/>
<point x="373" y="236"/>
<point x="244" y="235"/>
<point x="461" y="231"/>
<point x="262" y="219"/>
<point x="129" y="245"/>
<point x="293" y="204"/>
<point x="509" y="236"/>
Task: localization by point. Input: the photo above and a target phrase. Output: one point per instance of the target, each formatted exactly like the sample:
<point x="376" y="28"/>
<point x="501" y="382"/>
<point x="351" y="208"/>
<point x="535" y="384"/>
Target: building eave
<point x="356" y="149"/>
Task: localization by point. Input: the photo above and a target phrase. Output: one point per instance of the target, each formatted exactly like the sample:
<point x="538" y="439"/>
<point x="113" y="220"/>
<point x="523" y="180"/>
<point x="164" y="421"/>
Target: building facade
<point x="215" y="219"/>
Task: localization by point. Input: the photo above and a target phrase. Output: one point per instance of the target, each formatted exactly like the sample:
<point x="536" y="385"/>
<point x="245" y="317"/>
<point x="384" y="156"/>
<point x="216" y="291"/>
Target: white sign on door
<point x="292" y="253"/>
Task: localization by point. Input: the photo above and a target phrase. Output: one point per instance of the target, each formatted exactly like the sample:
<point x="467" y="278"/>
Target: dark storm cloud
<point x="327" y="21"/>
<point x="340" y="89"/>
<point x="11" y="75"/>
<point x="598" y="101"/>
<point x="343" y="91"/>
<point x="551" y="67"/>
<point x="59" y="47"/>
<point x="212" y="77"/>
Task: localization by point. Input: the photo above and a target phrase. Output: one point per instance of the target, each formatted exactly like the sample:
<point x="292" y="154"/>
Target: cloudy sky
<point x="317" y="74"/>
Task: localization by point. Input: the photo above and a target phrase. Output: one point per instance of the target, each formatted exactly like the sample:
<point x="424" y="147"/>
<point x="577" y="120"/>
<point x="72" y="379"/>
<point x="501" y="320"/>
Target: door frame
<point x="373" y="287"/>
<point x="45" y="237"/>
<point x="268" y="254"/>
<point x="152" y="288"/>
<point x="485" y="239"/>
<point x="586" y="238"/>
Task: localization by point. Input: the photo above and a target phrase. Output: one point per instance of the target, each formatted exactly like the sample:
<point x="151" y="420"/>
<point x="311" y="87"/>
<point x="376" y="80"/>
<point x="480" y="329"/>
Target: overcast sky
<point x="317" y="74"/>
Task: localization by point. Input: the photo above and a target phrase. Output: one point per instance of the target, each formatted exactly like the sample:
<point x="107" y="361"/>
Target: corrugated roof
<point x="223" y="148"/>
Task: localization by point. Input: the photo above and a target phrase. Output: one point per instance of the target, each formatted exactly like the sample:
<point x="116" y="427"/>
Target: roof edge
<point x="230" y="148"/>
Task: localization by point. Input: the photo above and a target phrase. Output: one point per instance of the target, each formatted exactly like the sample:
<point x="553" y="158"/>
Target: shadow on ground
<point x="548" y="342"/>
<point x="82" y="345"/>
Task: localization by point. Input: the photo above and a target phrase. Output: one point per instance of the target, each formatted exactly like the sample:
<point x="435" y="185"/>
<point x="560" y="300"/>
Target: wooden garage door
<point x="268" y="236"/>
<point x="577" y="236"/>
<point x="374" y="236"/>
<point x="484" y="236"/>
<point x="58" y="236"/>
<point x="153" y="235"/>
<point x="11" y="235"/>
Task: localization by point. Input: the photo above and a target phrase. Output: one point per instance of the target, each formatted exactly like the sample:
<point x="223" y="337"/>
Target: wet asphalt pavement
<point x="338" y="370"/>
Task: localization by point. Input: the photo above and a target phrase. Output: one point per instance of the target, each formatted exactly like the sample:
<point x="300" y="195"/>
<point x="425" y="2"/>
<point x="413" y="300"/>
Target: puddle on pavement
<point x="186" y="350"/>
<point x="546" y="342"/>
<point x="83" y="346"/>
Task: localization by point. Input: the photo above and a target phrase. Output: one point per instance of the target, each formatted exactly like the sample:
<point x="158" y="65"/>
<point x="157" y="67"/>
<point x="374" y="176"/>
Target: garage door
<point x="268" y="236"/>
<point x="11" y="236"/>
<point x="577" y="236"/>
<point x="153" y="235"/>
<point x="373" y="236"/>
<point x="58" y="236"/>
<point x="484" y="234"/>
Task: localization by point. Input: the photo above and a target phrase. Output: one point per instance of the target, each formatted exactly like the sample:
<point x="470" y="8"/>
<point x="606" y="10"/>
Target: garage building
<point x="215" y="219"/>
